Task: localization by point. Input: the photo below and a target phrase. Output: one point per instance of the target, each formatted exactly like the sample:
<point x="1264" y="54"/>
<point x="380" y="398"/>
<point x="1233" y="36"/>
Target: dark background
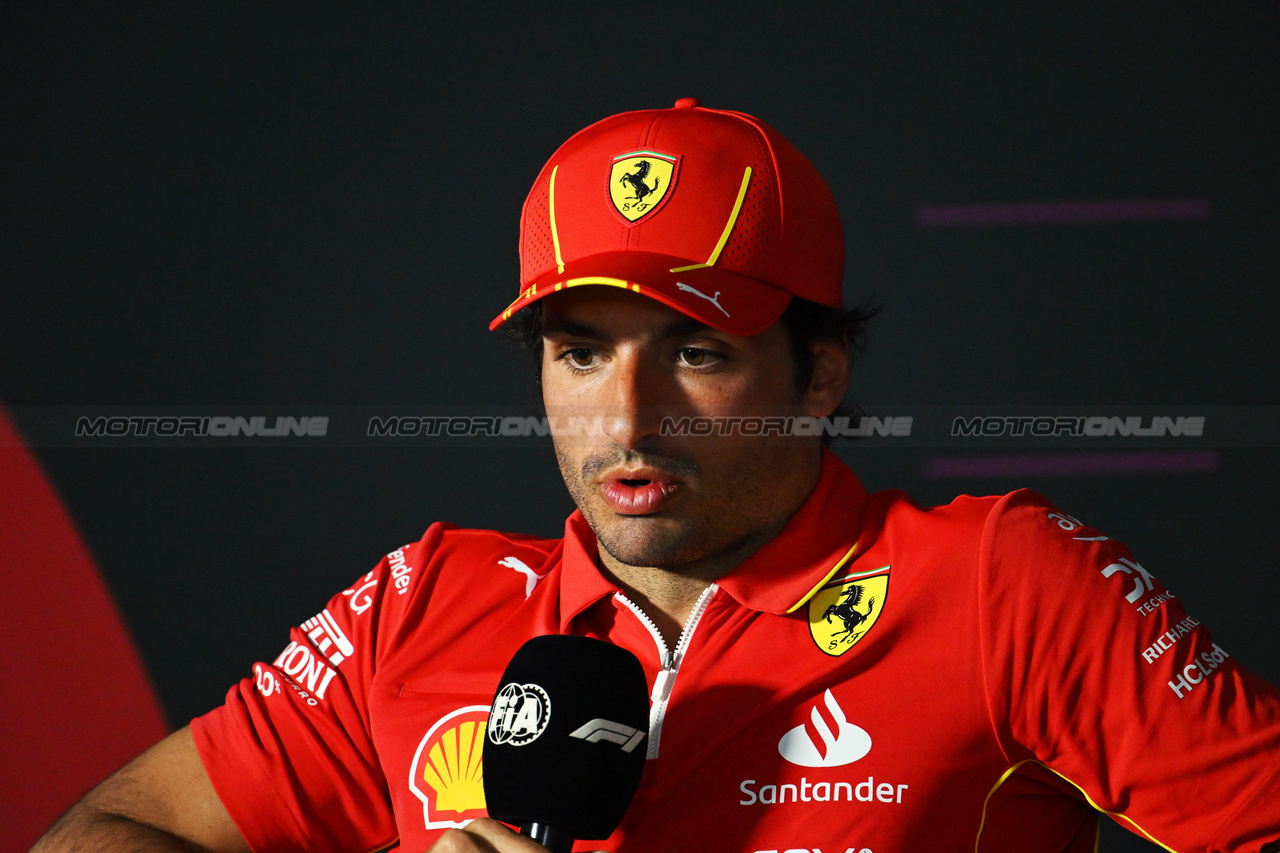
<point x="311" y="206"/>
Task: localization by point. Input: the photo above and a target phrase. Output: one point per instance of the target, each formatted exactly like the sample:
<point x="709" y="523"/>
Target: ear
<point x="830" y="379"/>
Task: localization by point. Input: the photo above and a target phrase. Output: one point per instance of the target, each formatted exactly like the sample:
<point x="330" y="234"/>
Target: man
<point x="830" y="670"/>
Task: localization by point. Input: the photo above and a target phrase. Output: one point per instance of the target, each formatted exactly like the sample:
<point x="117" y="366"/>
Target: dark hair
<point x="805" y="322"/>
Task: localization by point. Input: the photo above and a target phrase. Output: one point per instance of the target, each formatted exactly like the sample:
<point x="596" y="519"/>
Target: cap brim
<point x="724" y="300"/>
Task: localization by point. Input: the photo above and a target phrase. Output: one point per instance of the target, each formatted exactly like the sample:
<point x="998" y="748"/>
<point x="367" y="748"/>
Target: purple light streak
<point x="1062" y="213"/>
<point x="1072" y="464"/>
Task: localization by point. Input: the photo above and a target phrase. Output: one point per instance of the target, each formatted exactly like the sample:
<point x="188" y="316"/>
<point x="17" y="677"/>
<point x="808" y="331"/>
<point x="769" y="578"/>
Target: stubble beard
<point x="664" y="542"/>
<point x="645" y="541"/>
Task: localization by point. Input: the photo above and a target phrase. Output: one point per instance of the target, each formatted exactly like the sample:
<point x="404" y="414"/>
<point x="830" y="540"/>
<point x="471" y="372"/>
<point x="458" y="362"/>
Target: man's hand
<point x="486" y="835"/>
<point x="162" y="800"/>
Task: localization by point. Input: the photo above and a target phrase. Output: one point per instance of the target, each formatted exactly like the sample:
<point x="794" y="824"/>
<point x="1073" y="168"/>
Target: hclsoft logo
<point x="447" y="773"/>
<point x="842" y="741"/>
<point x="520" y="713"/>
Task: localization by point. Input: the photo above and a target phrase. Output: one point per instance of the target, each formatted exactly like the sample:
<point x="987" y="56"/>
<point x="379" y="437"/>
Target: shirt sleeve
<point x="1094" y="670"/>
<point x="290" y="752"/>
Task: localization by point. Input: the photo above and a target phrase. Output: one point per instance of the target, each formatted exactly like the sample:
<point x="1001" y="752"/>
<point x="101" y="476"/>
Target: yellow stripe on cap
<point x="551" y="209"/>
<point x="600" y="279"/>
<point x="728" y="228"/>
<point x="528" y="292"/>
<point x="531" y="291"/>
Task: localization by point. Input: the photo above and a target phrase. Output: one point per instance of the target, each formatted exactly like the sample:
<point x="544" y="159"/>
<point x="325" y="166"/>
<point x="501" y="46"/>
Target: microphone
<point x="566" y="740"/>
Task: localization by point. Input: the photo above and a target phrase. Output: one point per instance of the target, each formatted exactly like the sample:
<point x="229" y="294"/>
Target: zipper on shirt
<point x="666" y="680"/>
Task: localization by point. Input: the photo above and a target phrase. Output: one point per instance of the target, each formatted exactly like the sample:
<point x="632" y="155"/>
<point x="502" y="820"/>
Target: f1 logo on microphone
<point x="606" y="730"/>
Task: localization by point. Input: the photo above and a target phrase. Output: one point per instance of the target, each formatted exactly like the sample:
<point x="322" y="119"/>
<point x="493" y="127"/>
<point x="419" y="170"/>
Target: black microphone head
<point x="567" y="736"/>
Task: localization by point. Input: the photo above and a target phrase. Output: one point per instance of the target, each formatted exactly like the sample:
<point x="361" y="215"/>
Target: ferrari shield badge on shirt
<point x="846" y="608"/>
<point x="640" y="181"/>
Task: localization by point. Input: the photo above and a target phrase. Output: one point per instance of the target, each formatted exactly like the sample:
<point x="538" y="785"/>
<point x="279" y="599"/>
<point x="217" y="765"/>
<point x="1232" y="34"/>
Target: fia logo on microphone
<point x="520" y="713"/>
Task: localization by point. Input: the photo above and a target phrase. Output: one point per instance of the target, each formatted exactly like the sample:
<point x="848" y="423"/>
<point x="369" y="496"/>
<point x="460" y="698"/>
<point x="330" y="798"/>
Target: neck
<point x="668" y="595"/>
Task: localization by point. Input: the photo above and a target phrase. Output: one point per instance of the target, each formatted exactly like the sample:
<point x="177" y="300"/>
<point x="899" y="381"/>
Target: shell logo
<point x="447" y="773"/>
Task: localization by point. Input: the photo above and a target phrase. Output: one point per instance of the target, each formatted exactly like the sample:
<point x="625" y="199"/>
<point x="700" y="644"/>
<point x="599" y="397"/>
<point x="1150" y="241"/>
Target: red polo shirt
<point x="880" y="677"/>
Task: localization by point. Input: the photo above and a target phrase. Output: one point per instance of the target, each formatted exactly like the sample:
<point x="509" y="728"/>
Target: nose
<point x="632" y="406"/>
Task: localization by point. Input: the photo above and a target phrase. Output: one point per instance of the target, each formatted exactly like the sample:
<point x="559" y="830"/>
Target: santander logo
<point x="841" y="741"/>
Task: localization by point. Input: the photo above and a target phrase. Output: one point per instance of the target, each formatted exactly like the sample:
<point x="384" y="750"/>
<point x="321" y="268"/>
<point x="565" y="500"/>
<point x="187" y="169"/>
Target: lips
<point x="637" y="494"/>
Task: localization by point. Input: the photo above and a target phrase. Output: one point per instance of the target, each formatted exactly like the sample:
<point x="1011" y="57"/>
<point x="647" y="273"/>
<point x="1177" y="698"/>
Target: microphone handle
<point x="553" y="838"/>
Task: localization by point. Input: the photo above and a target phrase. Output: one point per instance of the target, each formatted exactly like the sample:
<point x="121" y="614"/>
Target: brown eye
<point x="581" y="357"/>
<point x="693" y="357"/>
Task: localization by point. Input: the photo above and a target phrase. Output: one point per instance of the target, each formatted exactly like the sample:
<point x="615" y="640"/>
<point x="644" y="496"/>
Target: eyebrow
<point x="577" y="329"/>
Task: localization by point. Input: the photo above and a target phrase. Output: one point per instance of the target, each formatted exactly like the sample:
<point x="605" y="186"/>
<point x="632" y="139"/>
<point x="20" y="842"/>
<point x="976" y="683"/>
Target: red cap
<point x="708" y="211"/>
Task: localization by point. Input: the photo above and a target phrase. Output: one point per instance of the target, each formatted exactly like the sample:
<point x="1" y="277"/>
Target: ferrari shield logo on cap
<point x="846" y="608"/>
<point x="640" y="181"/>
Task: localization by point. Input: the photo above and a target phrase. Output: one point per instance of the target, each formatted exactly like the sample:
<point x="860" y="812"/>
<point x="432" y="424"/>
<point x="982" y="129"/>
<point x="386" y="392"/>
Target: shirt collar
<point x="780" y="577"/>
<point x="581" y="581"/>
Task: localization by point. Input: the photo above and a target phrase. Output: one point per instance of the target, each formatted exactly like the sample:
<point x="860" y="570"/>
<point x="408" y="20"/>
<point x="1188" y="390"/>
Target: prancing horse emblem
<point x="638" y="186"/>
<point x="640" y="181"/>
<point x="844" y="611"/>
<point x="846" y="608"/>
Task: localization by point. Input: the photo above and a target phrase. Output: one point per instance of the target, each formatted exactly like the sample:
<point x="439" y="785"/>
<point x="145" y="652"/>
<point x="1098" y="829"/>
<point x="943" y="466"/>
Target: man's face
<point x="672" y="501"/>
